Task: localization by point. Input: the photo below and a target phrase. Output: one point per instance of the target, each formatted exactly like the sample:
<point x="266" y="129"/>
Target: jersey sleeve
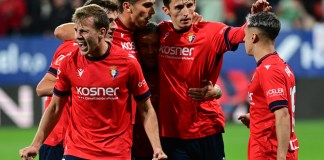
<point x="226" y="38"/>
<point x="138" y="85"/>
<point x="62" y="86"/>
<point x="273" y="83"/>
<point x="61" y="52"/>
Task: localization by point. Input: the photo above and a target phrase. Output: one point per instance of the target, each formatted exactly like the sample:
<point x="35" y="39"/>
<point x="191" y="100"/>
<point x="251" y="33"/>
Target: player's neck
<point x="126" y="21"/>
<point x="181" y="30"/>
<point x="100" y="50"/>
<point x="262" y="50"/>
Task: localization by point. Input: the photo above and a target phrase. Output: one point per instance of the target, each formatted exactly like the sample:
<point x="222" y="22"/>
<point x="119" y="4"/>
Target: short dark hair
<point x="121" y="9"/>
<point x="110" y="5"/>
<point x="150" y="28"/>
<point x="267" y="22"/>
<point x="166" y="3"/>
<point x="98" y="13"/>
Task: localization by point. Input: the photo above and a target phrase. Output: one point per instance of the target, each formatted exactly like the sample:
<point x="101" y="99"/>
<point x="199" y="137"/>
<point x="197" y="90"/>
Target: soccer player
<point x="188" y="54"/>
<point x="147" y="44"/>
<point x="272" y="94"/>
<point x="100" y="78"/>
<point x="53" y="145"/>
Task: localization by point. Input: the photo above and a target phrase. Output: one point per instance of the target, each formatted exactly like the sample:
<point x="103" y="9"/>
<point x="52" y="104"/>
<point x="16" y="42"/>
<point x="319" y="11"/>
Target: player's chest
<point x="99" y="74"/>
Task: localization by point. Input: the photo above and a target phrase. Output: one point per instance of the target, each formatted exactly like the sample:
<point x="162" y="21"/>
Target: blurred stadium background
<point x="27" y="45"/>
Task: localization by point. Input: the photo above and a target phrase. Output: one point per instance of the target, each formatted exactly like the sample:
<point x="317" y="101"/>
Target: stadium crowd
<point x="35" y="17"/>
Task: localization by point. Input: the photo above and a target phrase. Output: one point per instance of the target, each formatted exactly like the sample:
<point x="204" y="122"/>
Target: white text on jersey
<point x="96" y="91"/>
<point x="177" y="51"/>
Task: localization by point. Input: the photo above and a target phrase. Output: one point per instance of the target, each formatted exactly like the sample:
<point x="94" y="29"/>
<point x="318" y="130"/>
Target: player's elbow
<point x="58" y="32"/>
<point x="39" y="91"/>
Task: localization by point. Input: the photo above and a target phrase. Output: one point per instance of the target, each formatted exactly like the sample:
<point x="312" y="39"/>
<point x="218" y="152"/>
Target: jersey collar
<point x="101" y="57"/>
<point x="266" y="56"/>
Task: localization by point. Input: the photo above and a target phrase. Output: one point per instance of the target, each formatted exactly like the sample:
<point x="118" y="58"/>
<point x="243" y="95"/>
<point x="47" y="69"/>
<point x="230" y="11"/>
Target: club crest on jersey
<point x="191" y="37"/>
<point x="114" y="71"/>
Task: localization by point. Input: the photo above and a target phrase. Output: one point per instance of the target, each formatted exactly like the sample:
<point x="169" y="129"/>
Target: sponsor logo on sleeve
<point x="250" y="98"/>
<point x="142" y="83"/>
<point x="288" y="71"/>
<point x="60" y="58"/>
<point x="275" y="92"/>
<point x="58" y="73"/>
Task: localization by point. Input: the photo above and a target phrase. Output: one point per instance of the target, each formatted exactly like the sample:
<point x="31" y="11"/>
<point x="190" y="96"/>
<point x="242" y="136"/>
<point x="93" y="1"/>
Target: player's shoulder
<point x="273" y="64"/>
<point x="210" y="25"/>
<point x="165" y="24"/>
<point x="68" y="45"/>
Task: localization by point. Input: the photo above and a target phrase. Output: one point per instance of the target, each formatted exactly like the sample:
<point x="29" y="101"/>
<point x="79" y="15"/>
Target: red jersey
<point x="100" y="122"/>
<point x="185" y="59"/>
<point x="273" y="86"/>
<point x="123" y="37"/>
<point x="58" y="133"/>
<point x="141" y="144"/>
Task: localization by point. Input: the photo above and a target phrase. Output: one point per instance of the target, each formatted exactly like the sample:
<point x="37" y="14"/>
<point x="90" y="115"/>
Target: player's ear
<point x="127" y="7"/>
<point x="166" y="10"/>
<point x="255" y="38"/>
<point x="102" y="33"/>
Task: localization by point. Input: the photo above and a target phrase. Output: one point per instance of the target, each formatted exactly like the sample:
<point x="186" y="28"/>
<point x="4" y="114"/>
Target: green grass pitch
<point x="309" y="132"/>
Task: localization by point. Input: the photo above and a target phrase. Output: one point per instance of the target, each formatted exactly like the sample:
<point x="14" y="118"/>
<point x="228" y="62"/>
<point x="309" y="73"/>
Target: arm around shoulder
<point x="65" y="31"/>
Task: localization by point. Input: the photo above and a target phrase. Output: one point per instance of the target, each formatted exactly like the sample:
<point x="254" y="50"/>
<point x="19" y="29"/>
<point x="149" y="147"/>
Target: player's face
<point x="88" y="36"/>
<point x="142" y="11"/>
<point x="112" y="15"/>
<point x="248" y="40"/>
<point x="148" y="49"/>
<point x="181" y="13"/>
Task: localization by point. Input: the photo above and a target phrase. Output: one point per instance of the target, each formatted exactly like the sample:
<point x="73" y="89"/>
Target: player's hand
<point x="28" y="153"/>
<point x="197" y="18"/>
<point x="159" y="154"/>
<point x="260" y="6"/>
<point x="245" y="119"/>
<point x="206" y="93"/>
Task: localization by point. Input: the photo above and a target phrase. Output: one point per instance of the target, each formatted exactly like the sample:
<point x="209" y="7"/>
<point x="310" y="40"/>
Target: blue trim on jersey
<point x="61" y="93"/>
<point x="52" y="71"/>
<point x="277" y="105"/>
<point x="227" y="42"/>
<point x="143" y="96"/>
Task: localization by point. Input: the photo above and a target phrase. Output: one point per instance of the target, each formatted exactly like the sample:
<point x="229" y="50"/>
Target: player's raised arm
<point x="47" y="123"/>
<point x="236" y="34"/>
<point x="150" y="124"/>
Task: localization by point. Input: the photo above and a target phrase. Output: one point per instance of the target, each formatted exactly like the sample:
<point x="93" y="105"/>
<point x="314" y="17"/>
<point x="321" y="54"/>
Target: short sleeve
<point x="62" y="86"/>
<point x="273" y="83"/>
<point x="138" y="85"/>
